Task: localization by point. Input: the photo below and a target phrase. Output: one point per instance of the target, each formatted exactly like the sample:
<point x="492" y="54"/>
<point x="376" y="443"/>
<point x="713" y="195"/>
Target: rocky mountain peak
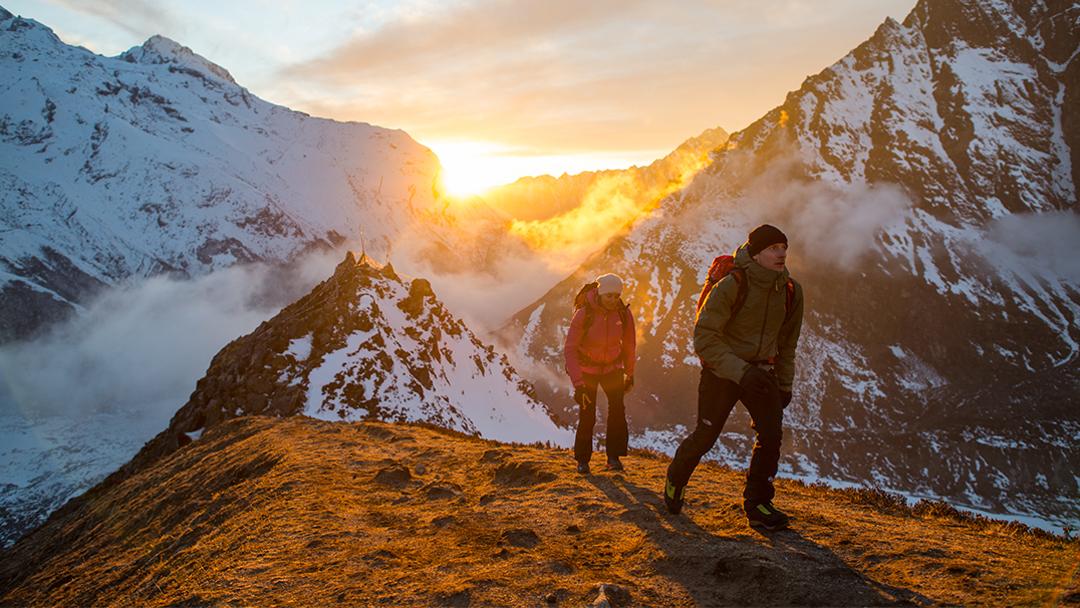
<point x="363" y="344"/>
<point x="4" y="14"/>
<point x="161" y="50"/>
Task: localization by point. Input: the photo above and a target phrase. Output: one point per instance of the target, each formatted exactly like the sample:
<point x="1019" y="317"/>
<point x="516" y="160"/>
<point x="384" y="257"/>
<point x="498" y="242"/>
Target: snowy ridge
<point x="440" y="371"/>
<point x="368" y="344"/>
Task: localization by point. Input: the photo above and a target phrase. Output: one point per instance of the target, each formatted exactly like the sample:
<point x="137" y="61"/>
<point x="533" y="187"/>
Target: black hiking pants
<point x="617" y="434"/>
<point x="716" y="398"/>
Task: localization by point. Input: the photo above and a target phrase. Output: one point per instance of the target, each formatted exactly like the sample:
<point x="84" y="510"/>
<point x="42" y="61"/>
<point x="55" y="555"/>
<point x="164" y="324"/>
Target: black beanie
<point x="763" y="236"/>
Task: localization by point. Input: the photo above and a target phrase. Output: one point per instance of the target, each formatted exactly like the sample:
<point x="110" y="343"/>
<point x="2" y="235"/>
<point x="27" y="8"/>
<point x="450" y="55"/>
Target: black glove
<point x="581" y="396"/>
<point x="628" y="383"/>
<point x="757" y="383"/>
<point x="785" y="399"/>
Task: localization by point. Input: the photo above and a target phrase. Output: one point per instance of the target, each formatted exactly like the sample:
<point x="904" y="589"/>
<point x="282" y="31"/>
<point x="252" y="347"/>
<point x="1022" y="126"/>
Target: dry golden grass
<point x="296" y="512"/>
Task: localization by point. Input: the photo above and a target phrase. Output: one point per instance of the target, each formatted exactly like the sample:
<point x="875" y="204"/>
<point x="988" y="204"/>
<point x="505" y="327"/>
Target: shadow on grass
<point x="783" y="568"/>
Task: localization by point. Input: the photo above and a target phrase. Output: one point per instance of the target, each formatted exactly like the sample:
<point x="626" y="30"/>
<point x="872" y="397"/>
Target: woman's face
<point x="609" y="300"/>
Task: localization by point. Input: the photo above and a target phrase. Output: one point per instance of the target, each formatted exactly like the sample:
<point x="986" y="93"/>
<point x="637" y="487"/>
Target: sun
<point x="470" y="168"/>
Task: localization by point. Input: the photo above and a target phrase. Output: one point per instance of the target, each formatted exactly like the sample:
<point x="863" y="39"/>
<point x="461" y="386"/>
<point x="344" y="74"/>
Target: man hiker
<point x="745" y="336"/>
<point x="600" y="351"/>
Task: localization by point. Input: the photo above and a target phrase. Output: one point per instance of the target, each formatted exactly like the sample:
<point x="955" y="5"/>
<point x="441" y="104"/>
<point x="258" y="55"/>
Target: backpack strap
<point x="739" y="275"/>
<point x="579" y="302"/>
<point x="789" y="300"/>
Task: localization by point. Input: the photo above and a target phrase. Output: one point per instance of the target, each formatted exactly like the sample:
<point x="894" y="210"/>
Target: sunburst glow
<point x="473" y="167"/>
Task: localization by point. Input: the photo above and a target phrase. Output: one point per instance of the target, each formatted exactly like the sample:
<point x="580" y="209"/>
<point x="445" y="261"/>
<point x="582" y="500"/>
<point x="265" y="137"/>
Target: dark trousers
<point x="716" y="398"/>
<point x="617" y="433"/>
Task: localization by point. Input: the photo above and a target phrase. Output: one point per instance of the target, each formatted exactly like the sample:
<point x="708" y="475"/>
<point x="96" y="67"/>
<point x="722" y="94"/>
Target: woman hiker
<point x="600" y="350"/>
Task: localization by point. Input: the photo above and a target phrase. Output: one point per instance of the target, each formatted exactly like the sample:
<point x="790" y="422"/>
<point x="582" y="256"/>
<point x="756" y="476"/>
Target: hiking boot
<point x="613" y="463"/>
<point x="764" y="515"/>
<point x="583" y="467"/>
<point x="673" y="497"/>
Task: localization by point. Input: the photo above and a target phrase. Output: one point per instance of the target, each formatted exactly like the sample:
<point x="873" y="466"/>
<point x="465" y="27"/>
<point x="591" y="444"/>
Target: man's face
<point x="773" y="257"/>
<point x="609" y="300"/>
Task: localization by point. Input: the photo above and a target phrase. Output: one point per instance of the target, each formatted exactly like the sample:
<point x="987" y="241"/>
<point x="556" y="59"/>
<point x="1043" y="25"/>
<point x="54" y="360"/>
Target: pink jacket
<point x="608" y="346"/>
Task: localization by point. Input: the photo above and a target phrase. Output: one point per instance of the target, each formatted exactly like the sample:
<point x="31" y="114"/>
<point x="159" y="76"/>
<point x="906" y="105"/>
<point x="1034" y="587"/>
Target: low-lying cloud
<point x="1046" y="242"/>
<point x="828" y="224"/>
<point x="141" y="348"/>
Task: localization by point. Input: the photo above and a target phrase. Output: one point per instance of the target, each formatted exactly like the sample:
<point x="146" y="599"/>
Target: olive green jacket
<point x="758" y="331"/>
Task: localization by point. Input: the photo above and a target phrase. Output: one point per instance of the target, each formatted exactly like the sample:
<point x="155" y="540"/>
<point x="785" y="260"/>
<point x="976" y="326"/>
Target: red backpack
<point x="724" y="265"/>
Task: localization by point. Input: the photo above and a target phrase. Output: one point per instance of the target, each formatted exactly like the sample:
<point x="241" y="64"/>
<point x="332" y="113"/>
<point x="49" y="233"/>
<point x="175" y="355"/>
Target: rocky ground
<point x="263" y="511"/>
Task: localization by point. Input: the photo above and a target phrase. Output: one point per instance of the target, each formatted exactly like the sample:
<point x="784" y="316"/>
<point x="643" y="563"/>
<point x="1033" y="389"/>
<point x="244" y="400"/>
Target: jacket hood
<point x="759" y="275"/>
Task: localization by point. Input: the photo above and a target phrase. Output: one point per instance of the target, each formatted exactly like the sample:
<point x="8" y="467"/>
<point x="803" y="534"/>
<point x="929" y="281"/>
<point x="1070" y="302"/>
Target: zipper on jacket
<point x="764" y="321"/>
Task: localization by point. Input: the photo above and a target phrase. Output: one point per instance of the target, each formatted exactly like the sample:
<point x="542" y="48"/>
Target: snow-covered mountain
<point x="364" y="344"/>
<point x="157" y="161"/>
<point x="928" y="184"/>
<point x="367" y="344"/>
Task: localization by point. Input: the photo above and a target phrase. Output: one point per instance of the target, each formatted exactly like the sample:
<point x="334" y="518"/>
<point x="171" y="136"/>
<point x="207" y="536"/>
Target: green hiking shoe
<point x="764" y="515"/>
<point x="673" y="496"/>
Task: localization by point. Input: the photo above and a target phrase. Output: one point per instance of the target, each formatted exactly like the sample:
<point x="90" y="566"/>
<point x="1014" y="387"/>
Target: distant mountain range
<point x="157" y="161"/>
<point x="928" y="184"/>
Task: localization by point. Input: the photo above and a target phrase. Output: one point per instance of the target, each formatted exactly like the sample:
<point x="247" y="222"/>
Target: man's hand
<point x="757" y="383"/>
<point x="581" y="396"/>
<point x="628" y="383"/>
<point x="785" y="399"/>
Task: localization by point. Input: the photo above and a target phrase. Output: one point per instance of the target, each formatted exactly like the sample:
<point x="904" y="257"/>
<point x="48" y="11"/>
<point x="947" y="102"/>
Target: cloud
<point x="142" y="18"/>
<point x="141" y="348"/>
<point x="573" y="76"/>
<point x="832" y="225"/>
<point x="608" y="208"/>
<point x="1049" y="242"/>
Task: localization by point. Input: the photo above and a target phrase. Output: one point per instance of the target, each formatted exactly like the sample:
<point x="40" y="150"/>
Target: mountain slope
<point x="926" y="181"/>
<point x="364" y="344"/>
<point x="157" y="161"/>
<point x="300" y="512"/>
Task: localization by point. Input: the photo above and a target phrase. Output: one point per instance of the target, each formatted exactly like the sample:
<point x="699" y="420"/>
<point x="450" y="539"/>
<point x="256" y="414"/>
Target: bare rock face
<point x="927" y="182"/>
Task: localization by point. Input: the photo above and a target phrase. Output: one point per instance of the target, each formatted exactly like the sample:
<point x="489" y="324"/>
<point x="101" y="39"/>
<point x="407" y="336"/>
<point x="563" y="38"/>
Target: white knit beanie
<point x="608" y="283"/>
